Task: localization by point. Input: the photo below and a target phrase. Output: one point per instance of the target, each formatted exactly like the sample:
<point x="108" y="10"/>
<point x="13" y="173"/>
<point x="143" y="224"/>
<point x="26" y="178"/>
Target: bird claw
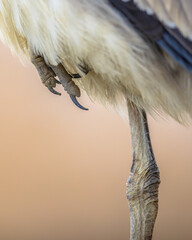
<point x="56" y="81"/>
<point x="76" y="75"/>
<point x="49" y="72"/>
<point x="54" y="91"/>
<point x="83" y="69"/>
<point x="70" y="87"/>
<point x="74" y="99"/>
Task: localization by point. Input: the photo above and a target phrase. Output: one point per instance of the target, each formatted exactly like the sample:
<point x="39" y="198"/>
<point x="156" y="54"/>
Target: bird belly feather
<point x="88" y="32"/>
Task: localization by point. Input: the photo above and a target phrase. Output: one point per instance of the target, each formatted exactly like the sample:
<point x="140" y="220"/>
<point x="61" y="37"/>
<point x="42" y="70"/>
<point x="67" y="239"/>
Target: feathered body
<point x="122" y="64"/>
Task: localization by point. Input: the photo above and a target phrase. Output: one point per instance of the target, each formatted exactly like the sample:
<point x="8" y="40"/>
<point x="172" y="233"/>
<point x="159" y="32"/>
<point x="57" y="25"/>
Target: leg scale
<point x="143" y="183"/>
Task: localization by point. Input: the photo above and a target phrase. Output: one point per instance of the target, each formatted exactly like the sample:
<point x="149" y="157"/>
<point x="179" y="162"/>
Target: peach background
<point x="63" y="171"/>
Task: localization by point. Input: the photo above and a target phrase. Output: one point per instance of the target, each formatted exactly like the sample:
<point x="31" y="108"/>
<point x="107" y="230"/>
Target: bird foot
<point x="48" y="73"/>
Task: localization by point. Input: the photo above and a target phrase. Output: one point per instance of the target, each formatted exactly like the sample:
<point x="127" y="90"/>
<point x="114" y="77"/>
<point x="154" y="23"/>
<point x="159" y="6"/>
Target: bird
<point x="133" y="52"/>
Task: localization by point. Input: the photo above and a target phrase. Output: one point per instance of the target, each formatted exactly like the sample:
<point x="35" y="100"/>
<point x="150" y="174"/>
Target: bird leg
<point x="143" y="182"/>
<point x="48" y="73"/>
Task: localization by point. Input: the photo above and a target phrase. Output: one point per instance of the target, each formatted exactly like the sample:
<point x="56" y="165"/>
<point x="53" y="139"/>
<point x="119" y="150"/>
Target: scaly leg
<point x="143" y="182"/>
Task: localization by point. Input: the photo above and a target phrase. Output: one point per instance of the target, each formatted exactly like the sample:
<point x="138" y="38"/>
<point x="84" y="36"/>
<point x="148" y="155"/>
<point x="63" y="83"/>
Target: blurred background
<point x="63" y="171"/>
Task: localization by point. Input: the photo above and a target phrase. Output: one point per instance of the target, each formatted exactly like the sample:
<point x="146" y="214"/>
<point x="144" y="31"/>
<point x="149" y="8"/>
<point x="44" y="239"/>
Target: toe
<point x="50" y="82"/>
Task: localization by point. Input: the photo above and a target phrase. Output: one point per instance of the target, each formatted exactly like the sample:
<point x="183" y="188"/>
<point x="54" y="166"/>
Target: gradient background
<point x="63" y="171"/>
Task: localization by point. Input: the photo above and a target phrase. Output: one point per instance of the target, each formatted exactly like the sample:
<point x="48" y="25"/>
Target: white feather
<point x="87" y="31"/>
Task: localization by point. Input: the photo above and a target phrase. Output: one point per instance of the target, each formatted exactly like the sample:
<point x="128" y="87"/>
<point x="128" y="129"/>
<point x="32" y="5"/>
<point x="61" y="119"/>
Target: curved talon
<point x="73" y="98"/>
<point x="76" y="75"/>
<point x="83" y="69"/>
<point x="56" y="81"/>
<point x="54" y="91"/>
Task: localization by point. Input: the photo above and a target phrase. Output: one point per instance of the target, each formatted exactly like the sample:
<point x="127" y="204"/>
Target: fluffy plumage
<point x="171" y="12"/>
<point x="122" y="64"/>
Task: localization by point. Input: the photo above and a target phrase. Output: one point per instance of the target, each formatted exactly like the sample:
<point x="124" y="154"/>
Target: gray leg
<point x="143" y="182"/>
